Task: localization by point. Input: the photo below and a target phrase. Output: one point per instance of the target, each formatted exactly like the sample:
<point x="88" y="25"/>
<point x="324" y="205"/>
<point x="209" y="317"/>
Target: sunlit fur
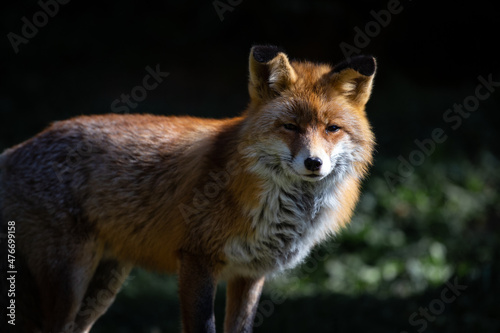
<point x="212" y="199"/>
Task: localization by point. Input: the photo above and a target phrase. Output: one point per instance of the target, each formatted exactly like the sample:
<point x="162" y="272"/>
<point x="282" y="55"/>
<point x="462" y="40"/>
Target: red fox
<point x="233" y="199"/>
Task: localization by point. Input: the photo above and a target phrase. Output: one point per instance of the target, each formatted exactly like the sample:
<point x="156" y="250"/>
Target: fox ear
<point x="354" y="78"/>
<point x="270" y="72"/>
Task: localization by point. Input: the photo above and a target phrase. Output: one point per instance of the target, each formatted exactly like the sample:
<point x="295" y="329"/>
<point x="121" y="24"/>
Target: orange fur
<point x="231" y="199"/>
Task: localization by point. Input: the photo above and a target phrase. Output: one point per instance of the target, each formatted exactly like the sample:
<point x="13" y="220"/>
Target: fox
<point x="235" y="200"/>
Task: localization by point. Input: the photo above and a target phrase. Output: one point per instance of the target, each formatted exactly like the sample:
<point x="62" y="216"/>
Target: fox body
<point x="234" y="199"/>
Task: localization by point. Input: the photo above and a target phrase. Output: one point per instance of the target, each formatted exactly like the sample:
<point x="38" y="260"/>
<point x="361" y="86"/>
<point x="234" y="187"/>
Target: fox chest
<point x="284" y="228"/>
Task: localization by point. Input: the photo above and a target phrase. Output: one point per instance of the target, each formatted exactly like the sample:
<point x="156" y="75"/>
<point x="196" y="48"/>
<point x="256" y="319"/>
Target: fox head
<point x="307" y="121"/>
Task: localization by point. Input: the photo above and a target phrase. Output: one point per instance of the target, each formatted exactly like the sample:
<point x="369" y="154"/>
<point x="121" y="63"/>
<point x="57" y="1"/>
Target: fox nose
<point x="313" y="163"/>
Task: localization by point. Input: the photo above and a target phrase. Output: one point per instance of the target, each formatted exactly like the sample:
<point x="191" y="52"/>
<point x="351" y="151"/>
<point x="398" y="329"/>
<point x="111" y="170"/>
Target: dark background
<point x="442" y="218"/>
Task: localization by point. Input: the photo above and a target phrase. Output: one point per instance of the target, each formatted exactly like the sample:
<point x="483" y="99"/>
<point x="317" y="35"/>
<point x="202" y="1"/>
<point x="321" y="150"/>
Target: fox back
<point x="234" y="199"/>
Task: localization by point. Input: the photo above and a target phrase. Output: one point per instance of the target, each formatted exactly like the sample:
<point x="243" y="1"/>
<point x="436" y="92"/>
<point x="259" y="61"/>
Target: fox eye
<point x="332" y="128"/>
<point x="291" y="127"/>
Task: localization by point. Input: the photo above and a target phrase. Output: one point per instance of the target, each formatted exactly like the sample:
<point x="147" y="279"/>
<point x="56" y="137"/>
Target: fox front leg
<point x="197" y="285"/>
<point x="241" y="304"/>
